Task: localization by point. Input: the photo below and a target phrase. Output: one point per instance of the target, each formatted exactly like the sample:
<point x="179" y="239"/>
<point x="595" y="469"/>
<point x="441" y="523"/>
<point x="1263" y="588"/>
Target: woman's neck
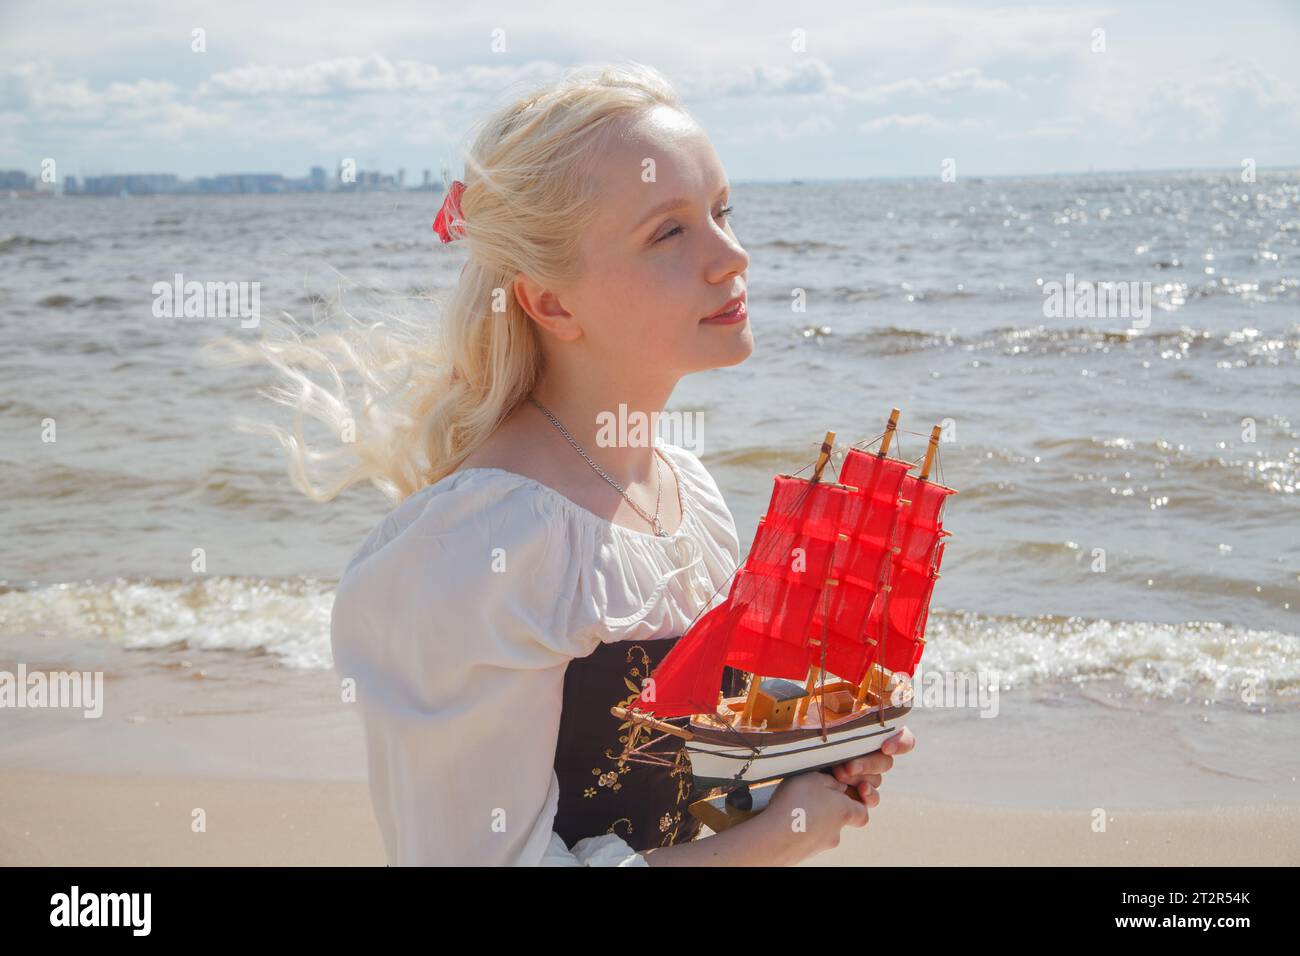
<point x="616" y="428"/>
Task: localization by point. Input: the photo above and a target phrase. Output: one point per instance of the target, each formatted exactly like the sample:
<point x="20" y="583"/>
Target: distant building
<point x="15" y="179"/>
<point x="233" y="183"/>
<point x="135" y="184"/>
<point x="225" y="184"/>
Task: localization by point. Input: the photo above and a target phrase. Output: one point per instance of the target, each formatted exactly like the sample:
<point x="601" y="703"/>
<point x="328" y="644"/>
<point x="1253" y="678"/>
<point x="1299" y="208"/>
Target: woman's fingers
<point x="874" y="764"/>
<point x="851" y="771"/>
<point x="901" y="743"/>
<point x="846" y="773"/>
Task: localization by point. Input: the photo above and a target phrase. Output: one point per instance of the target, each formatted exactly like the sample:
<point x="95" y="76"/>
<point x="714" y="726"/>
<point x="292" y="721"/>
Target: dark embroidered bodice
<point x="600" y="792"/>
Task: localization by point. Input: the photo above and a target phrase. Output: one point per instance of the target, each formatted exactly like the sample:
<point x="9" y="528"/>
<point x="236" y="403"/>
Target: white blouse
<point x="457" y="618"/>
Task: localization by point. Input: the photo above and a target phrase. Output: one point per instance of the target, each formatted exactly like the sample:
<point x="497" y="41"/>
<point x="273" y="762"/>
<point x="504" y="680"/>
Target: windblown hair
<point x="430" y="393"/>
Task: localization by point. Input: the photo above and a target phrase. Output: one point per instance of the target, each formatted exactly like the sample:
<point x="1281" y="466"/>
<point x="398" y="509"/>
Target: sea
<point x="1125" y="541"/>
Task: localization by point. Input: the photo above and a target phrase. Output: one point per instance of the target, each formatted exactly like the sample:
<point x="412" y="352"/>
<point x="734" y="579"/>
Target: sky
<point x="785" y="90"/>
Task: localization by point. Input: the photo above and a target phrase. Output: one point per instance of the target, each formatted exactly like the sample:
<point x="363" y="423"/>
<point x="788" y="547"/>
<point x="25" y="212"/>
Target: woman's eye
<point x="724" y="212"/>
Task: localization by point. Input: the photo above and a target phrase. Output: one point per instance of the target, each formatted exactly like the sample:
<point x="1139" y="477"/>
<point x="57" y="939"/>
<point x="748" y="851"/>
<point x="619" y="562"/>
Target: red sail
<point x="912" y="576"/>
<point x="785" y="575"/>
<point x="861" y="566"/>
<point x="763" y="625"/>
<point x="778" y="609"/>
<point x="688" y="679"/>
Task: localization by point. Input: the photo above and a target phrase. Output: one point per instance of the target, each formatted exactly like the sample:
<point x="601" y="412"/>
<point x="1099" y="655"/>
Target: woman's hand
<point x="805" y="817"/>
<point x="866" y="772"/>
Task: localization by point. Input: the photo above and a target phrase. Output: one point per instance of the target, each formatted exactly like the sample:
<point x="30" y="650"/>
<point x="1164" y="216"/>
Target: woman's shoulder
<point x="692" y="468"/>
<point x="477" y="557"/>
<point x="465" y="504"/>
<point x="705" y="494"/>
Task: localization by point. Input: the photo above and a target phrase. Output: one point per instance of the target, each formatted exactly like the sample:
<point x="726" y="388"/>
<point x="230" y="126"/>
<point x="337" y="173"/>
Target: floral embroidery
<point x="616" y="823"/>
<point x="685" y="787"/>
<point x="673" y="823"/>
<point x="628" y="731"/>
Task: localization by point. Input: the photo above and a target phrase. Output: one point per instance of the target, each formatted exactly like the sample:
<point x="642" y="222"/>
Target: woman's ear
<point x="543" y="306"/>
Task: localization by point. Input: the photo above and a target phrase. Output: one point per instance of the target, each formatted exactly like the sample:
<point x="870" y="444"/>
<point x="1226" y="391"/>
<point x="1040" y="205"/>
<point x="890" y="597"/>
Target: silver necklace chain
<point x="653" y="519"/>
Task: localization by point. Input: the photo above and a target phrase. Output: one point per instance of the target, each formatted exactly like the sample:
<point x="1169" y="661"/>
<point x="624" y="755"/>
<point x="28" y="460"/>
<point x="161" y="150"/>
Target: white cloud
<point x="805" y="128"/>
<point x="940" y="87"/>
<point x="1193" y="102"/>
<point x="916" y="121"/>
<point x="805" y="77"/>
<point x="372" y="74"/>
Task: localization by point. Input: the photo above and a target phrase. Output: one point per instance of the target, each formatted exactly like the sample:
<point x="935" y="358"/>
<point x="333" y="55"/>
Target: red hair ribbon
<point x="450" y="223"/>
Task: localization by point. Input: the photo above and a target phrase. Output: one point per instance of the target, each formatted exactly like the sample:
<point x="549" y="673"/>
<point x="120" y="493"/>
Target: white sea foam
<point x="289" y="620"/>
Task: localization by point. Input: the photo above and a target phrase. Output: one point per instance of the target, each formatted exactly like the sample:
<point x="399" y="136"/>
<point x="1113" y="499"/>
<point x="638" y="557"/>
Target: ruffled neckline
<point x="685" y="502"/>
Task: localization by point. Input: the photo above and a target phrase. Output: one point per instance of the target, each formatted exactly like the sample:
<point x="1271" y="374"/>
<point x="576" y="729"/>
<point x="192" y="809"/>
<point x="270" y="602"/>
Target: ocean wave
<point x="1276" y="472"/>
<point x="288" y="620"/>
<point x="1194" y="660"/>
<point x="238" y="491"/>
<point x="793" y="245"/>
<point x="12" y="242"/>
<point x="1239" y="348"/>
<point x="60" y="301"/>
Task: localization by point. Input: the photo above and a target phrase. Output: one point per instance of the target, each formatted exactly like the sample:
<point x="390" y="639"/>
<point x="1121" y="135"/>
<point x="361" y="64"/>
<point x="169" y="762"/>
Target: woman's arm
<point x="746" y="844"/>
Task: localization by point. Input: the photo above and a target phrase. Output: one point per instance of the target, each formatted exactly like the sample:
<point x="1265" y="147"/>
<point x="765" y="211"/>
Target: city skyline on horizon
<point x="437" y="184"/>
<point x="1001" y="89"/>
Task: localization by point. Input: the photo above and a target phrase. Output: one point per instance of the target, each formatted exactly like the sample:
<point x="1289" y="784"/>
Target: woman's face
<point x="661" y="254"/>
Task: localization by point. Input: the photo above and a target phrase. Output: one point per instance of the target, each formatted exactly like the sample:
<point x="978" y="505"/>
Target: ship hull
<point x="727" y="759"/>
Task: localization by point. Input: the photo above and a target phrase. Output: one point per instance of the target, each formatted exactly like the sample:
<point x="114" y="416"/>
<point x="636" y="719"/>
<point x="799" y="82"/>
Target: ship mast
<point x="823" y="456"/>
<point x="815" y="672"/>
<point x="864" y="688"/>
<point x="876" y="671"/>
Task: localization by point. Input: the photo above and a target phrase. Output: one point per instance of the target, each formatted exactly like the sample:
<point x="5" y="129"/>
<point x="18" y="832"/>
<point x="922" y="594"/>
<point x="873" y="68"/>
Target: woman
<point x="533" y="574"/>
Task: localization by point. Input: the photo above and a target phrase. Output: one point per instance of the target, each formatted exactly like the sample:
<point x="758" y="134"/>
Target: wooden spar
<point x="814" y="674"/>
<point x="930" y="453"/>
<point x="865" y="687"/>
<point x="890" y="427"/>
<point x="827" y="444"/>
<point x="622" y="713"/>
<point x="747" y="716"/>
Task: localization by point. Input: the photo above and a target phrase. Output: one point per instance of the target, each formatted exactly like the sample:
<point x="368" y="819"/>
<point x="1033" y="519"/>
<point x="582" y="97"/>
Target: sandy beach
<point x="276" y="765"/>
<point x="105" y="820"/>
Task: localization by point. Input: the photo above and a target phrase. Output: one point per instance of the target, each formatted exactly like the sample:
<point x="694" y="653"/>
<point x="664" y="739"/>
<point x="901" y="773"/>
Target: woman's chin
<point x="738" y="347"/>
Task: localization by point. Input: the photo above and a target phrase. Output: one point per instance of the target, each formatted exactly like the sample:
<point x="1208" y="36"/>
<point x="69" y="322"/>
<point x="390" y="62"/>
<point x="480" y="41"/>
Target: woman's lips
<point x="737" y="313"/>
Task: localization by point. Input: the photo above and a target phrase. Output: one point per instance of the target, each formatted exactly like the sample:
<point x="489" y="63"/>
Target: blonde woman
<point x="531" y="576"/>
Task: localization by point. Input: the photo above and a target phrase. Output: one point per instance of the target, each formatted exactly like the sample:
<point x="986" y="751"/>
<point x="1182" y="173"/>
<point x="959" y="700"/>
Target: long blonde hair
<point x="430" y="396"/>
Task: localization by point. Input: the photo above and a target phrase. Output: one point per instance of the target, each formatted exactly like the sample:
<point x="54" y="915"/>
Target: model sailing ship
<point x="827" y="615"/>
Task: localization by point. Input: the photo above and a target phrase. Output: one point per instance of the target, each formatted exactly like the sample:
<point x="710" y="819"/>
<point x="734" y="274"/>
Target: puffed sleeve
<point x="456" y="620"/>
